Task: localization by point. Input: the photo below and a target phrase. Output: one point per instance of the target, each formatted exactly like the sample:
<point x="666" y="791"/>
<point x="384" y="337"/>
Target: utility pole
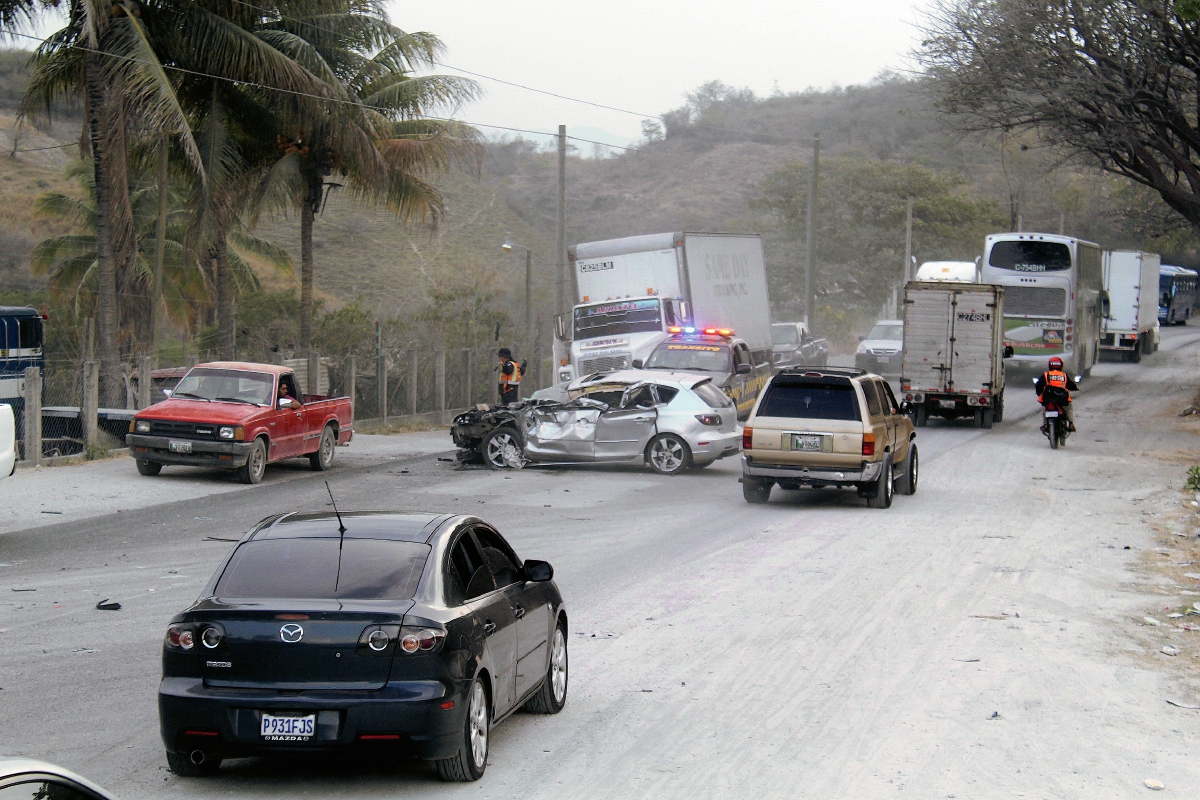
<point x="908" y="242"/>
<point x="530" y="349"/>
<point x="558" y="349"/>
<point x="1062" y="223"/>
<point x="808" y="230"/>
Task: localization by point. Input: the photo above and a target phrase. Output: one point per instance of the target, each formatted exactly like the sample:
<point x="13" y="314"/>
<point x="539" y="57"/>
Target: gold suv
<point x="829" y="427"/>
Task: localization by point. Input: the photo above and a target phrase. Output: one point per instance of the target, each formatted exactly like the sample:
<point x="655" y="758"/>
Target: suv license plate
<point x="179" y="447"/>
<point x="808" y="444"/>
<point x="288" y="729"/>
<point x="947" y="403"/>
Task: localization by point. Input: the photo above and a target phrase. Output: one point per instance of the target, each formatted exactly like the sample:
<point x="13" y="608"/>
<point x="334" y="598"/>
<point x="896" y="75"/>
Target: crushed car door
<point x="622" y="433"/>
<point x="562" y="432"/>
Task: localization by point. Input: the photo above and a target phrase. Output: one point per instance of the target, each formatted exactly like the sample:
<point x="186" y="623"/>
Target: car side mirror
<point x="560" y="328"/>
<point x="285" y="402"/>
<point x="743" y="369"/>
<point x="540" y="571"/>
<point x="638" y="363"/>
<point x="862" y="338"/>
<point x="905" y="407"/>
<point x="1008" y="351"/>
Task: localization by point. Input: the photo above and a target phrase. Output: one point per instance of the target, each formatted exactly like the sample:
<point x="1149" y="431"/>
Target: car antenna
<point x="341" y="537"/>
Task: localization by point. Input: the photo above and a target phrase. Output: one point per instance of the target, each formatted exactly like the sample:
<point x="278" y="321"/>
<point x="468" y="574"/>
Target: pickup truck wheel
<point x="148" y="468"/>
<point x="500" y="448"/>
<point x="667" y="454"/>
<point x="881" y="491"/>
<point x="252" y="471"/>
<point x="755" y="491"/>
<point x="323" y="458"/>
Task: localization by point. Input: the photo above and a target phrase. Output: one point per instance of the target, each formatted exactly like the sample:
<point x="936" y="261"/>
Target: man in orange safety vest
<point x="510" y="377"/>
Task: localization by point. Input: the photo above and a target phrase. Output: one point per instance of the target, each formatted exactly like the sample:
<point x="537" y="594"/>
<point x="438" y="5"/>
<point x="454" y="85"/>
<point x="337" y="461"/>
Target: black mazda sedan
<point x="380" y="634"/>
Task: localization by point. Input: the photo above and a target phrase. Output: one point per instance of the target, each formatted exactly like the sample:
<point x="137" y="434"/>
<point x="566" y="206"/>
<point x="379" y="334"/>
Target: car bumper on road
<point x="717" y="445"/>
<point x="228" y="455"/>
<point x="868" y="472"/>
<point x="406" y="717"/>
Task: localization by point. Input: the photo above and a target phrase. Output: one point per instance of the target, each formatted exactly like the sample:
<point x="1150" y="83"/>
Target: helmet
<point x="506" y="353"/>
<point x="1056" y="363"/>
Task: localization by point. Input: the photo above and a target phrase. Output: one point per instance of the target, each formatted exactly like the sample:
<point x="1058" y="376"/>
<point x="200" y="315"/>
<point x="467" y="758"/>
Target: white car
<point x="881" y="350"/>
<point x="668" y="420"/>
<point x="8" y="441"/>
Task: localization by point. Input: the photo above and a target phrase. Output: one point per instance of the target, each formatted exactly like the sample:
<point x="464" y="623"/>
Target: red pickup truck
<point x="242" y="416"/>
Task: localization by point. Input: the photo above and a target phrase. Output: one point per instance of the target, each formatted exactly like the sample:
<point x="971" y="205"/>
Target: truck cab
<point x="739" y="371"/>
<point x="613" y="334"/>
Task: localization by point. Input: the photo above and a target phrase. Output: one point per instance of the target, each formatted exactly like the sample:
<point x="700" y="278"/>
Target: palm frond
<point x="47" y="255"/>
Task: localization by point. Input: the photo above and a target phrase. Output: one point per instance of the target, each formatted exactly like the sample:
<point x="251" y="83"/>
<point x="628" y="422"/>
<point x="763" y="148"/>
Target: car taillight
<point x="747" y="438"/>
<point x="420" y="640"/>
<point x="180" y="637"/>
<point x="212" y="636"/>
<point x="868" y="447"/>
<point x="709" y="419"/>
<point x="378" y="639"/>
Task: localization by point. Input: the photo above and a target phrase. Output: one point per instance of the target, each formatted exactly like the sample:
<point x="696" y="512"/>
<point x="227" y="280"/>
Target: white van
<point x="8" y="441"/>
<point x="960" y="271"/>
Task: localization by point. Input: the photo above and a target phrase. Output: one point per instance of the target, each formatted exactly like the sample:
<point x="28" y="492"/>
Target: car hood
<point x="200" y="411"/>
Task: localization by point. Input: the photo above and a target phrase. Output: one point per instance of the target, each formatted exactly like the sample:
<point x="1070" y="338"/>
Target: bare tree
<point x="1115" y="80"/>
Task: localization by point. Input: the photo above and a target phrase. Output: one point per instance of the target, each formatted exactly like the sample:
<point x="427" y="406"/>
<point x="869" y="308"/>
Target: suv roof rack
<point x="800" y="370"/>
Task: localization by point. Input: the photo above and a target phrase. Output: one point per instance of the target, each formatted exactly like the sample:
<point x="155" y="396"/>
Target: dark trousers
<point x="509" y="394"/>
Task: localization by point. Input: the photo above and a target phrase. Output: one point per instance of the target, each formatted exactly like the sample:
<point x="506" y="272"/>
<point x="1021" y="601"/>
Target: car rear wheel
<point x="193" y="764"/>
<point x="501" y="448"/>
<point x="755" y="491"/>
<point x="323" y="458"/>
<point x="667" y="454"/>
<point x="470" y="761"/>
<point x="256" y="465"/>
<point x="551" y="698"/>
<point x="907" y="483"/>
<point x="880" y="492"/>
<point x="148" y="468"/>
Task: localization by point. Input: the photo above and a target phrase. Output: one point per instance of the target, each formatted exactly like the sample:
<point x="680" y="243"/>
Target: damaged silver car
<point x="668" y="420"/>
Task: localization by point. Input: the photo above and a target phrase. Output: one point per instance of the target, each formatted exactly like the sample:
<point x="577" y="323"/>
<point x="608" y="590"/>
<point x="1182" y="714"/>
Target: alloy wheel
<point x="477" y="717"/>
<point x="667" y="454"/>
<point x="502" y="450"/>
<point x="558" y="667"/>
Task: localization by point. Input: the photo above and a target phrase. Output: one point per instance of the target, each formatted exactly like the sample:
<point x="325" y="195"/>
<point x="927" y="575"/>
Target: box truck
<point x="954" y="351"/>
<point x="1131" y="326"/>
<point x="631" y="291"/>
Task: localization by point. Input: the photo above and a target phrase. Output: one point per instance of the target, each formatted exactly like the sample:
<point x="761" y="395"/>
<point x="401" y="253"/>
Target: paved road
<point x="811" y="647"/>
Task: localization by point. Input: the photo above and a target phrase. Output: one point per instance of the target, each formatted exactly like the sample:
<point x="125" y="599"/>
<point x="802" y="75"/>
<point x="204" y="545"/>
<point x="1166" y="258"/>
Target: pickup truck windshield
<point x="815" y="400"/>
<point x="313" y="569"/>
<point x="691" y="357"/>
<point x="785" y="334"/>
<point x="616" y="318"/>
<point x="226" y="385"/>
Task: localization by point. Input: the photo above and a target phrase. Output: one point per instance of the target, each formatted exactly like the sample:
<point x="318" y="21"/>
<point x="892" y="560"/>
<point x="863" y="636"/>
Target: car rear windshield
<point x="317" y="569"/>
<point x="810" y="400"/>
<point x="711" y="395"/>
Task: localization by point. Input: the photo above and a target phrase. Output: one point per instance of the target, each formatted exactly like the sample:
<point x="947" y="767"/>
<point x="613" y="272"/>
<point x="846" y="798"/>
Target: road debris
<point x="1155" y="785"/>
<point x="1171" y="650"/>
<point x="15" y="589"/>
<point x="1151" y="621"/>
<point x="108" y="605"/>
<point x="995" y="715"/>
<point x="1005" y="615"/>
<point x="599" y="635"/>
<point x="967" y="660"/>
<point x="1181" y="704"/>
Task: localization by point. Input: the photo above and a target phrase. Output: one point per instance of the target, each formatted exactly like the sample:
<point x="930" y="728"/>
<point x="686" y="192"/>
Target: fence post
<point x="314" y="373"/>
<point x="352" y="392"/>
<point x="468" y="352"/>
<point x="380" y="373"/>
<point x="414" y="364"/>
<point x="144" y="381"/>
<point x="440" y="383"/>
<point x="33" y="415"/>
<point x="90" y="411"/>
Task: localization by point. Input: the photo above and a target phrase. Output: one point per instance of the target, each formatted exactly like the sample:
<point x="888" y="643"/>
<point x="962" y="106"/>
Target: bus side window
<point x="30" y="333"/>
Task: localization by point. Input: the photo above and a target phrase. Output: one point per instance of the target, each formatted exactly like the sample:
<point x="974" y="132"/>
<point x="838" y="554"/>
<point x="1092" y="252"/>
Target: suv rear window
<point x="810" y="400"/>
<point x="315" y="569"/>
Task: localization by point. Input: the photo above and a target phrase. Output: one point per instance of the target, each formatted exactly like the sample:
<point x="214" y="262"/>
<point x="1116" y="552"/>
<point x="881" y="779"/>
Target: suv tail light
<point x="868" y="447"/>
<point x="747" y="438"/>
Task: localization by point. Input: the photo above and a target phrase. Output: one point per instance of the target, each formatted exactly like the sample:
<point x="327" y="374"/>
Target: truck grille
<point x="603" y="364"/>
<point x="183" y="430"/>
<point x="1034" y="301"/>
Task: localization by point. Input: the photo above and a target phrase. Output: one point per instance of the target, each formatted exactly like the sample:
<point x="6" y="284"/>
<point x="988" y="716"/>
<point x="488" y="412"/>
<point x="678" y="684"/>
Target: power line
<point x="297" y="93"/>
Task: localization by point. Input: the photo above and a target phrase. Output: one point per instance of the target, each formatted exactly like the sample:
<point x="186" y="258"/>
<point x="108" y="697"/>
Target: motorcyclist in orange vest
<point x="1056" y="386"/>
<point x="510" y="377"/>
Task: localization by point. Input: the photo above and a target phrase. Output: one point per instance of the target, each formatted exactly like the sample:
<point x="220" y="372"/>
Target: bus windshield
<point x="1025" y="256"/>
<point x="619" y="317"/>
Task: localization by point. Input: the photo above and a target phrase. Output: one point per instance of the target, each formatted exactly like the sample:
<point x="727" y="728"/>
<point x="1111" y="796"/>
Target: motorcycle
<point x="1054" y="420"/>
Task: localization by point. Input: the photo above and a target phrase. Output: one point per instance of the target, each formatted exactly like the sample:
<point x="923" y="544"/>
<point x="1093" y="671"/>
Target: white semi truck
<point x="954" y="351"/>
<point x="1131" y="280"/>
<point x="632" y="290"/>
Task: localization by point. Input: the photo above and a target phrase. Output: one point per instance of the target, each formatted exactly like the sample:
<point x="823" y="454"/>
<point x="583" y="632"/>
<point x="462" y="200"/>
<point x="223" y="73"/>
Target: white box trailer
<point x="954" y="351"/>
<point x="1131" y="280"/>
<point x="631" y="290"/>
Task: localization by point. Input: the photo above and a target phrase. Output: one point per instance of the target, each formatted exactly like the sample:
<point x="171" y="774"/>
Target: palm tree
<point x="380" y="142"/>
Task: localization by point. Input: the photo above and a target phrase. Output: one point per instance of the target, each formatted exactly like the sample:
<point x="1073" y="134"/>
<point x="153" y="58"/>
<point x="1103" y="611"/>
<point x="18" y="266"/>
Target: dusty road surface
<point x="973" y="641"/>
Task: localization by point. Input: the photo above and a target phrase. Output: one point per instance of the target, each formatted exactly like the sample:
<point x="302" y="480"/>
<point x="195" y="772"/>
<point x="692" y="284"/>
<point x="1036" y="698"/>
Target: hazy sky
<point x="645" y="55"/>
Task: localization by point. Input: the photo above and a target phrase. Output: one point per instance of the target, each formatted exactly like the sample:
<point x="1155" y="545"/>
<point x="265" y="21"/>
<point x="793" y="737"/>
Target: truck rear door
<point x="973" y="330"/>
<point x="928" y="355"/>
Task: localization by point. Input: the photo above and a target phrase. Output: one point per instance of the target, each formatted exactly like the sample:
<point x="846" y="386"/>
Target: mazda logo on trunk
<point x="291" y="633"/>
